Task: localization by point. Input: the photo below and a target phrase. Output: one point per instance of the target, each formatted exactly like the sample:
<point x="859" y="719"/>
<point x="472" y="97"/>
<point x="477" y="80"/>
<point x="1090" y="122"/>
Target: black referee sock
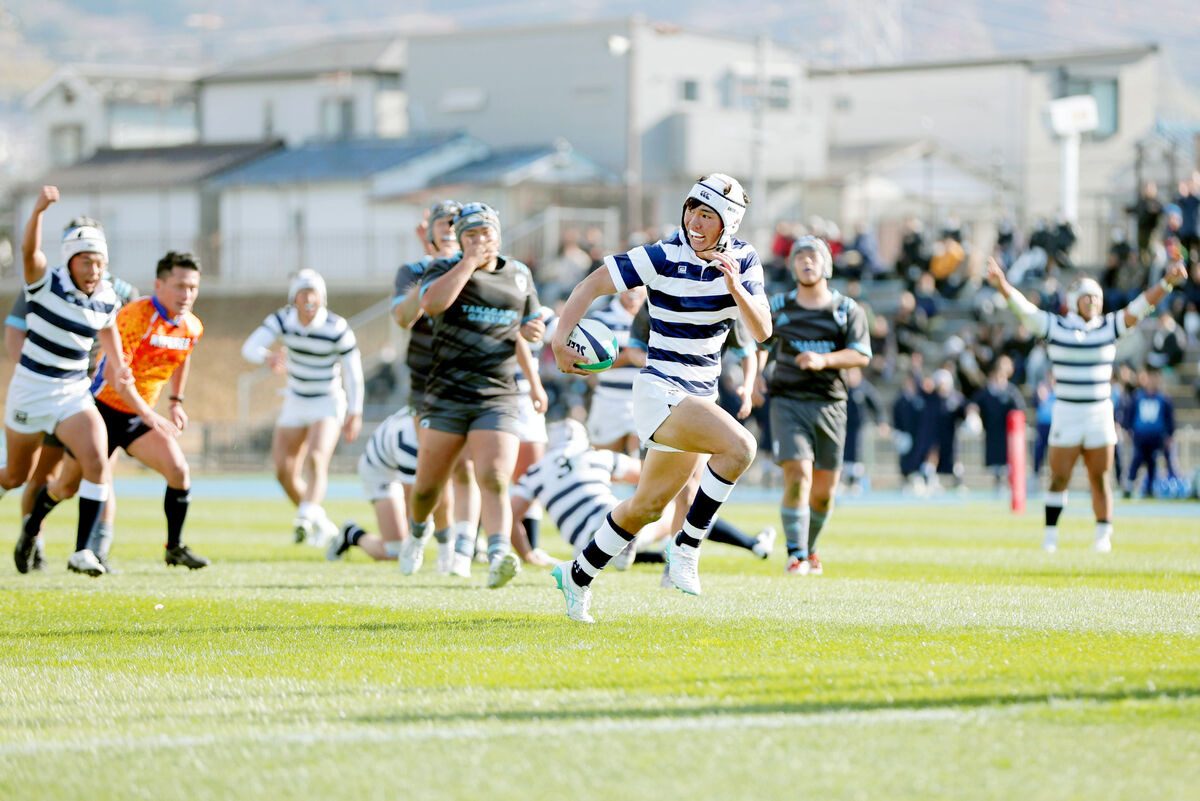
<point x="730" y="534"/>
<point x="175" y="505"/>
<point x="89" y="513"/>
<point x="533" y="528"/>
<point x="43" y="502"/>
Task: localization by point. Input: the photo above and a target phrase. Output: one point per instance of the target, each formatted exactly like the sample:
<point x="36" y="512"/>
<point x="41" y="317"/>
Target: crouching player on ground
<point x="157" y="334"/>
<point x="818" y="335"/>
<point x="387" y="468"/>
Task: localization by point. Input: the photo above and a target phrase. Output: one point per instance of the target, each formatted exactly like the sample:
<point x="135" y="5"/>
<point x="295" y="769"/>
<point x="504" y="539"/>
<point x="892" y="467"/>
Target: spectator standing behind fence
<point x="913" y="259"/>
<point x="1146" y="210"/>
<point x="906" y="425"/>
<point x="1188" y="201"/>
<point x="1150" y="421"/>
<point x="992" y="404"/>
<point x="862" y="402"/>
<point x="1043" y="399"/>
<point x="948" y="410"/>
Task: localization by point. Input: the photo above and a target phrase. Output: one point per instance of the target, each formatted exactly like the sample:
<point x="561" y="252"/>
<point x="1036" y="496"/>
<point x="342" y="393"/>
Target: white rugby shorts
<point x="610" y="420"/>
<point x="1088" y="424"/>
<point x="531" y="424"/>
<point x="653" y="399"/>
<point x="38" y="404"/>
<point x="380" y="483"/>
<point x="301" y="412"/>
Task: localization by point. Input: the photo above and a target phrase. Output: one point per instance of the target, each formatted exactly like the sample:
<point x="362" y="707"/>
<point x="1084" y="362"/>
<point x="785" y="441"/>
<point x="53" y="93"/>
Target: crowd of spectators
<point x="948" y="357"/>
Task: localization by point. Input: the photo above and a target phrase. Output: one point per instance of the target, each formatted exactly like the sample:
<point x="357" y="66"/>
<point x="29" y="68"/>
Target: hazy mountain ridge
<point x="37" y="34"/>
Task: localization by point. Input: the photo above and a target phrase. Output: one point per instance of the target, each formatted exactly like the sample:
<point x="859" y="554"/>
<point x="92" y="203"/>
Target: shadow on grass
<point x="452" y="623"/>
<point x="966" y="703"/>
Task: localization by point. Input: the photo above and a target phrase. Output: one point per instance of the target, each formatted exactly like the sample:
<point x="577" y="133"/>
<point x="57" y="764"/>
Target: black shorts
<point x="456" y="417"/>
<point x="123" y="427"/>
<point x="803" y="430"/>
<point x="51" y="441"/>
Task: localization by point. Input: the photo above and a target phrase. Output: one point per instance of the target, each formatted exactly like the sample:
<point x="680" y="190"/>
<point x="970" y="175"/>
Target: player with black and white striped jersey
<point x="610" y="416"/>
<point x="699" y="281"/>
<point x="70" y="306"/>
<point x="1082" y="346"/>
<point x="387" y="468"/>
<point x="319" y="354"/>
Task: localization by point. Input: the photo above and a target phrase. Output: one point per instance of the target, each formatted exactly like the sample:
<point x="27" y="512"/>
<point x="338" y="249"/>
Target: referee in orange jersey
<point x="158" y="334"/>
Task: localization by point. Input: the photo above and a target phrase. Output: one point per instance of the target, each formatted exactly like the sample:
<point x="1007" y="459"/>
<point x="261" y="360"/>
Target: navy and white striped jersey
<point x="1081" y="353"/>
<point x="615" y="385"/>
<point x="691" y="311"/>
<point x="317" y="354"/>
<point x="62" y="323"/>
<point x="393" y="446"/>
<point x="575" y="486"/>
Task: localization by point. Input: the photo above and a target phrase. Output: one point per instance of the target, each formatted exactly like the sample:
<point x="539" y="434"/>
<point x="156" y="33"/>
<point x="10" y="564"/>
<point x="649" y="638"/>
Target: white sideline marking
<point x="424" y="731"/>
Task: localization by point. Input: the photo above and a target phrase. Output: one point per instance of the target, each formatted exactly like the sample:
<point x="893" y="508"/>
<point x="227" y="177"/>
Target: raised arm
<point x="1144" y="304"/>
<point x="31" y="242"/>
<point x="1029" y="314"/>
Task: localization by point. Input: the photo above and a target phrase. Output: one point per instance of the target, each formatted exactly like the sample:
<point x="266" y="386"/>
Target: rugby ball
<point x="595" y="344"/>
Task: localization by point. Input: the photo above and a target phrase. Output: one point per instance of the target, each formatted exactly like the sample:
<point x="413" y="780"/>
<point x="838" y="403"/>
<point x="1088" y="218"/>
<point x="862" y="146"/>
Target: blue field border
<point x="341" y="488"/>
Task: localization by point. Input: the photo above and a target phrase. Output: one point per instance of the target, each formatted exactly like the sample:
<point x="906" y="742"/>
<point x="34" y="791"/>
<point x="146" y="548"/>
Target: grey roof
<point x="548" y="163"/>
<point x="373" y="53"/>
<point x="137" y="167"/>
<point x="126" y="82"/>
<point x="1126" y="52"/>
<point x="349" y="160"/>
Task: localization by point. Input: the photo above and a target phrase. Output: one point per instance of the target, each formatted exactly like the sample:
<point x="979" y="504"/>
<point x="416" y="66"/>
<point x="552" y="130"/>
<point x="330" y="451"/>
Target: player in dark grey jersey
<point x="457" y="514"/>
<point x="478" y="302"/>
<point x="818" y="335"/>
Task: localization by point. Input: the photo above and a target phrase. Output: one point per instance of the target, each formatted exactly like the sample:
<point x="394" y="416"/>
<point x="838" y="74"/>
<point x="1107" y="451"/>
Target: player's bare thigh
<point x="663" y="476"/>
<point x="163" y="455"/>
<point x="22" y="451"/>
<point x="1062" y="462"/>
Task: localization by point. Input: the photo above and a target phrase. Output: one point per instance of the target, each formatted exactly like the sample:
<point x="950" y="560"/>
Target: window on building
<point x="1104" y="90"/>
<point x="337" y="118"/>
<point x="66" y="144"/>
<point x="689" y="90"/>
<point x="463" y="99"/>
<point x="743" y="92"/>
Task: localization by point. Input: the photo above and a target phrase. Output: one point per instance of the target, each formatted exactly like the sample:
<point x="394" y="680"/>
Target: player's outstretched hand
<point x="541" y="401"/>
<point x="747" y="396"/>
<point x="728" y="267"/>
<point x="565" y="358"/>
<point x="995" y="273"/>
<point x="809" y="360"/>
<point x="161" y="424"/>
<point x="179" y="416"/>
<point x="277" y="361"/>
<point x="534" y="330"/>
<point x="1176" y="274"/>
<point x="352" y="427"/>
<point x="48" y="195"/>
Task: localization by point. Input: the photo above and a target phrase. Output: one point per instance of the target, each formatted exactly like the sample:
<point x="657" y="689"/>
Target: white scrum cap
<point x="725" y="196"/>
<point x="84" y="239"/>
<point x="1082" y="288"/>
<point x="307" y="279"/>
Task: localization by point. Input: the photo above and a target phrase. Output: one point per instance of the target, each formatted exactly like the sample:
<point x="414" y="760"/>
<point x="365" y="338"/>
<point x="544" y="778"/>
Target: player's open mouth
<point x="696" y="237"/>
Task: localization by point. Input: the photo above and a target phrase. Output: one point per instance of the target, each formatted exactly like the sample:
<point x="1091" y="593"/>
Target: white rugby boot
<point x="683" y="564"/>
<point x="579" y="599"/>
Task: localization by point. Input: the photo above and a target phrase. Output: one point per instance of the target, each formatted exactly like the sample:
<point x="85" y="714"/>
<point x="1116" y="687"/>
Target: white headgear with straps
<point x="84" y="239"/>
<point x="725" y="196"/>
<point x="307" y="279"/>
<point x="1082" y="288"/>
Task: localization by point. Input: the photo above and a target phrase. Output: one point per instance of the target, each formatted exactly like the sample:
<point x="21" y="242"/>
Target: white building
<point x="84" y="107"/>
<point x="149" y="200"/>
<point x="657" y="104"/>
<point x="981" y="125"/>
<point x="342" y="88"/>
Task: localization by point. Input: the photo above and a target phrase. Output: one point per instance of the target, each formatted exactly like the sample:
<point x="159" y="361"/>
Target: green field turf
<point x="941" y="656"/>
